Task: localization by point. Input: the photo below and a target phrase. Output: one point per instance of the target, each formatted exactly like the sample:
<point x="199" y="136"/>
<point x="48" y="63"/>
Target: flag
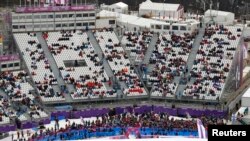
<point x="28" y="1"/>
<point x="233" y="118"/>
<point x="188" y="115"/>
<point x="218" y="5"/>
<point x="245" y="51"/>
<point x="1" y="39"/>
<point x="201" y="129"/>
<point x="132" y="132"/>
<point x="62" y="2"/>
<point x="246" y="111"/>
<point x="57" y="1"/>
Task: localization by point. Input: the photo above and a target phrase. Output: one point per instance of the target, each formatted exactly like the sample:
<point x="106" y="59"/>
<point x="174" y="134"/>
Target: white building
<point x="119" y="7"/>
<point x="9" y="62"/>
<point x="243" y="113"/>
<point x="26" y="19"/>
<point x="220" y="17"/>
<point x="165" y="10"/>
<point x="131" y="23"/>
<point x="245" y="100"/>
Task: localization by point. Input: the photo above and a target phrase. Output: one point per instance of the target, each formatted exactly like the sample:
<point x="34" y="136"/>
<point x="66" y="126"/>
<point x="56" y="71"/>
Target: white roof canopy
<point x="149" y="5"/>
<point x="143" y="22"/>
<point x="247" y="93"/>
<point x="217" y="12"/>
<point x="120" y="4"/>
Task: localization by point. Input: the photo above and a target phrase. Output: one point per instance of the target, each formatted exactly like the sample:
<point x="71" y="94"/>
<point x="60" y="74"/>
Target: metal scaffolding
<point x="6" y="31"/>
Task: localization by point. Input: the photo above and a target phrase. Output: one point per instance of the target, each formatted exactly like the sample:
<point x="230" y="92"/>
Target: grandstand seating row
<point x="210" y="69"/>
<point x="170" y="58"/>
<point x="38" y="65"/>
<point x="18" y="90"/>
<point x="213" y="62"/>
<point x="119" y="62"/>
<point x="137" y="42"/>
<point x="89" y="79"/>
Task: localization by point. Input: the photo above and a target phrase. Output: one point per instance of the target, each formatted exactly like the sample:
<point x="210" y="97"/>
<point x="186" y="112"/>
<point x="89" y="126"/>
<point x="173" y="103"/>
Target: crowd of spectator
<point x="18" y="90"/>
<point x="213" y="62"/>
<point x="137" y="42"/>
<point x="147" y="124"/>
<point x="5" y="110"/>
<point x="90" y="80"/>
<point x="119" y="62"/>
<point x="170" y="58"/>
<point x="38" y="65"/>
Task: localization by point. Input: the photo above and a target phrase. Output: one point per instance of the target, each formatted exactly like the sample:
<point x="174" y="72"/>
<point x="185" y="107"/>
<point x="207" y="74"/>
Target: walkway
<point x="98" y="50"/>
<point x="191" y="59"/>
<point x="54" y="67"/>
<point x="150" y="49"/>
<point x="2" y="93"/>
<point x="119" y="33"/>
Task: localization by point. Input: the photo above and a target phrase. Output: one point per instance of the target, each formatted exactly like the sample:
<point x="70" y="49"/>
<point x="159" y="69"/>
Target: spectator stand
<point x="170" y="58"/>
<point x="136" y="44"/>
<point x="79" y="65"/>
<point x="213" y="62"/>
<point x="120" y="64"/>
<point x="18" y="91"/>
<point x="5" y="111"/>
<point x="38" y="66"/>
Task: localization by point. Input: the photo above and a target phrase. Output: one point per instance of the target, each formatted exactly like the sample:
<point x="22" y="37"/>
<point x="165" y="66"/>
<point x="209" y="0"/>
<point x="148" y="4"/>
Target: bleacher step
<point x="54" y="67"/>
<point x="191" y="58"/>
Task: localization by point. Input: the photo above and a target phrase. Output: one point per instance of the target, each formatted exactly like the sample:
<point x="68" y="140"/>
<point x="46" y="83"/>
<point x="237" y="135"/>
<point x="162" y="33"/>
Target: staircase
<point x="2" y="93"/>
<point x="118" y="33"/>
<point x="150" y="49"/>
<point x="191" y="59"/>
<point x="98" y="50"/>
<point x="54" y="67"/>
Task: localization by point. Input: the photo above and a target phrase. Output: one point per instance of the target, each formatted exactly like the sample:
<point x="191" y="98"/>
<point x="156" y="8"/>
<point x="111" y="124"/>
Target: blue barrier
<point x="64" y="108"/>
<point x="83" y="133"/>
<point x="59" y="118"/>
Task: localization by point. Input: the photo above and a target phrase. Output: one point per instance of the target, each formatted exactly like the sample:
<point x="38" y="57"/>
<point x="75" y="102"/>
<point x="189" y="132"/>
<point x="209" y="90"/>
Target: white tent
<point x="154" y="9"/>
<point x="245" y="100"/>
<point x="220" y="17"/>
<point x="119" y="7"/>
<point x="131" y="22"/>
